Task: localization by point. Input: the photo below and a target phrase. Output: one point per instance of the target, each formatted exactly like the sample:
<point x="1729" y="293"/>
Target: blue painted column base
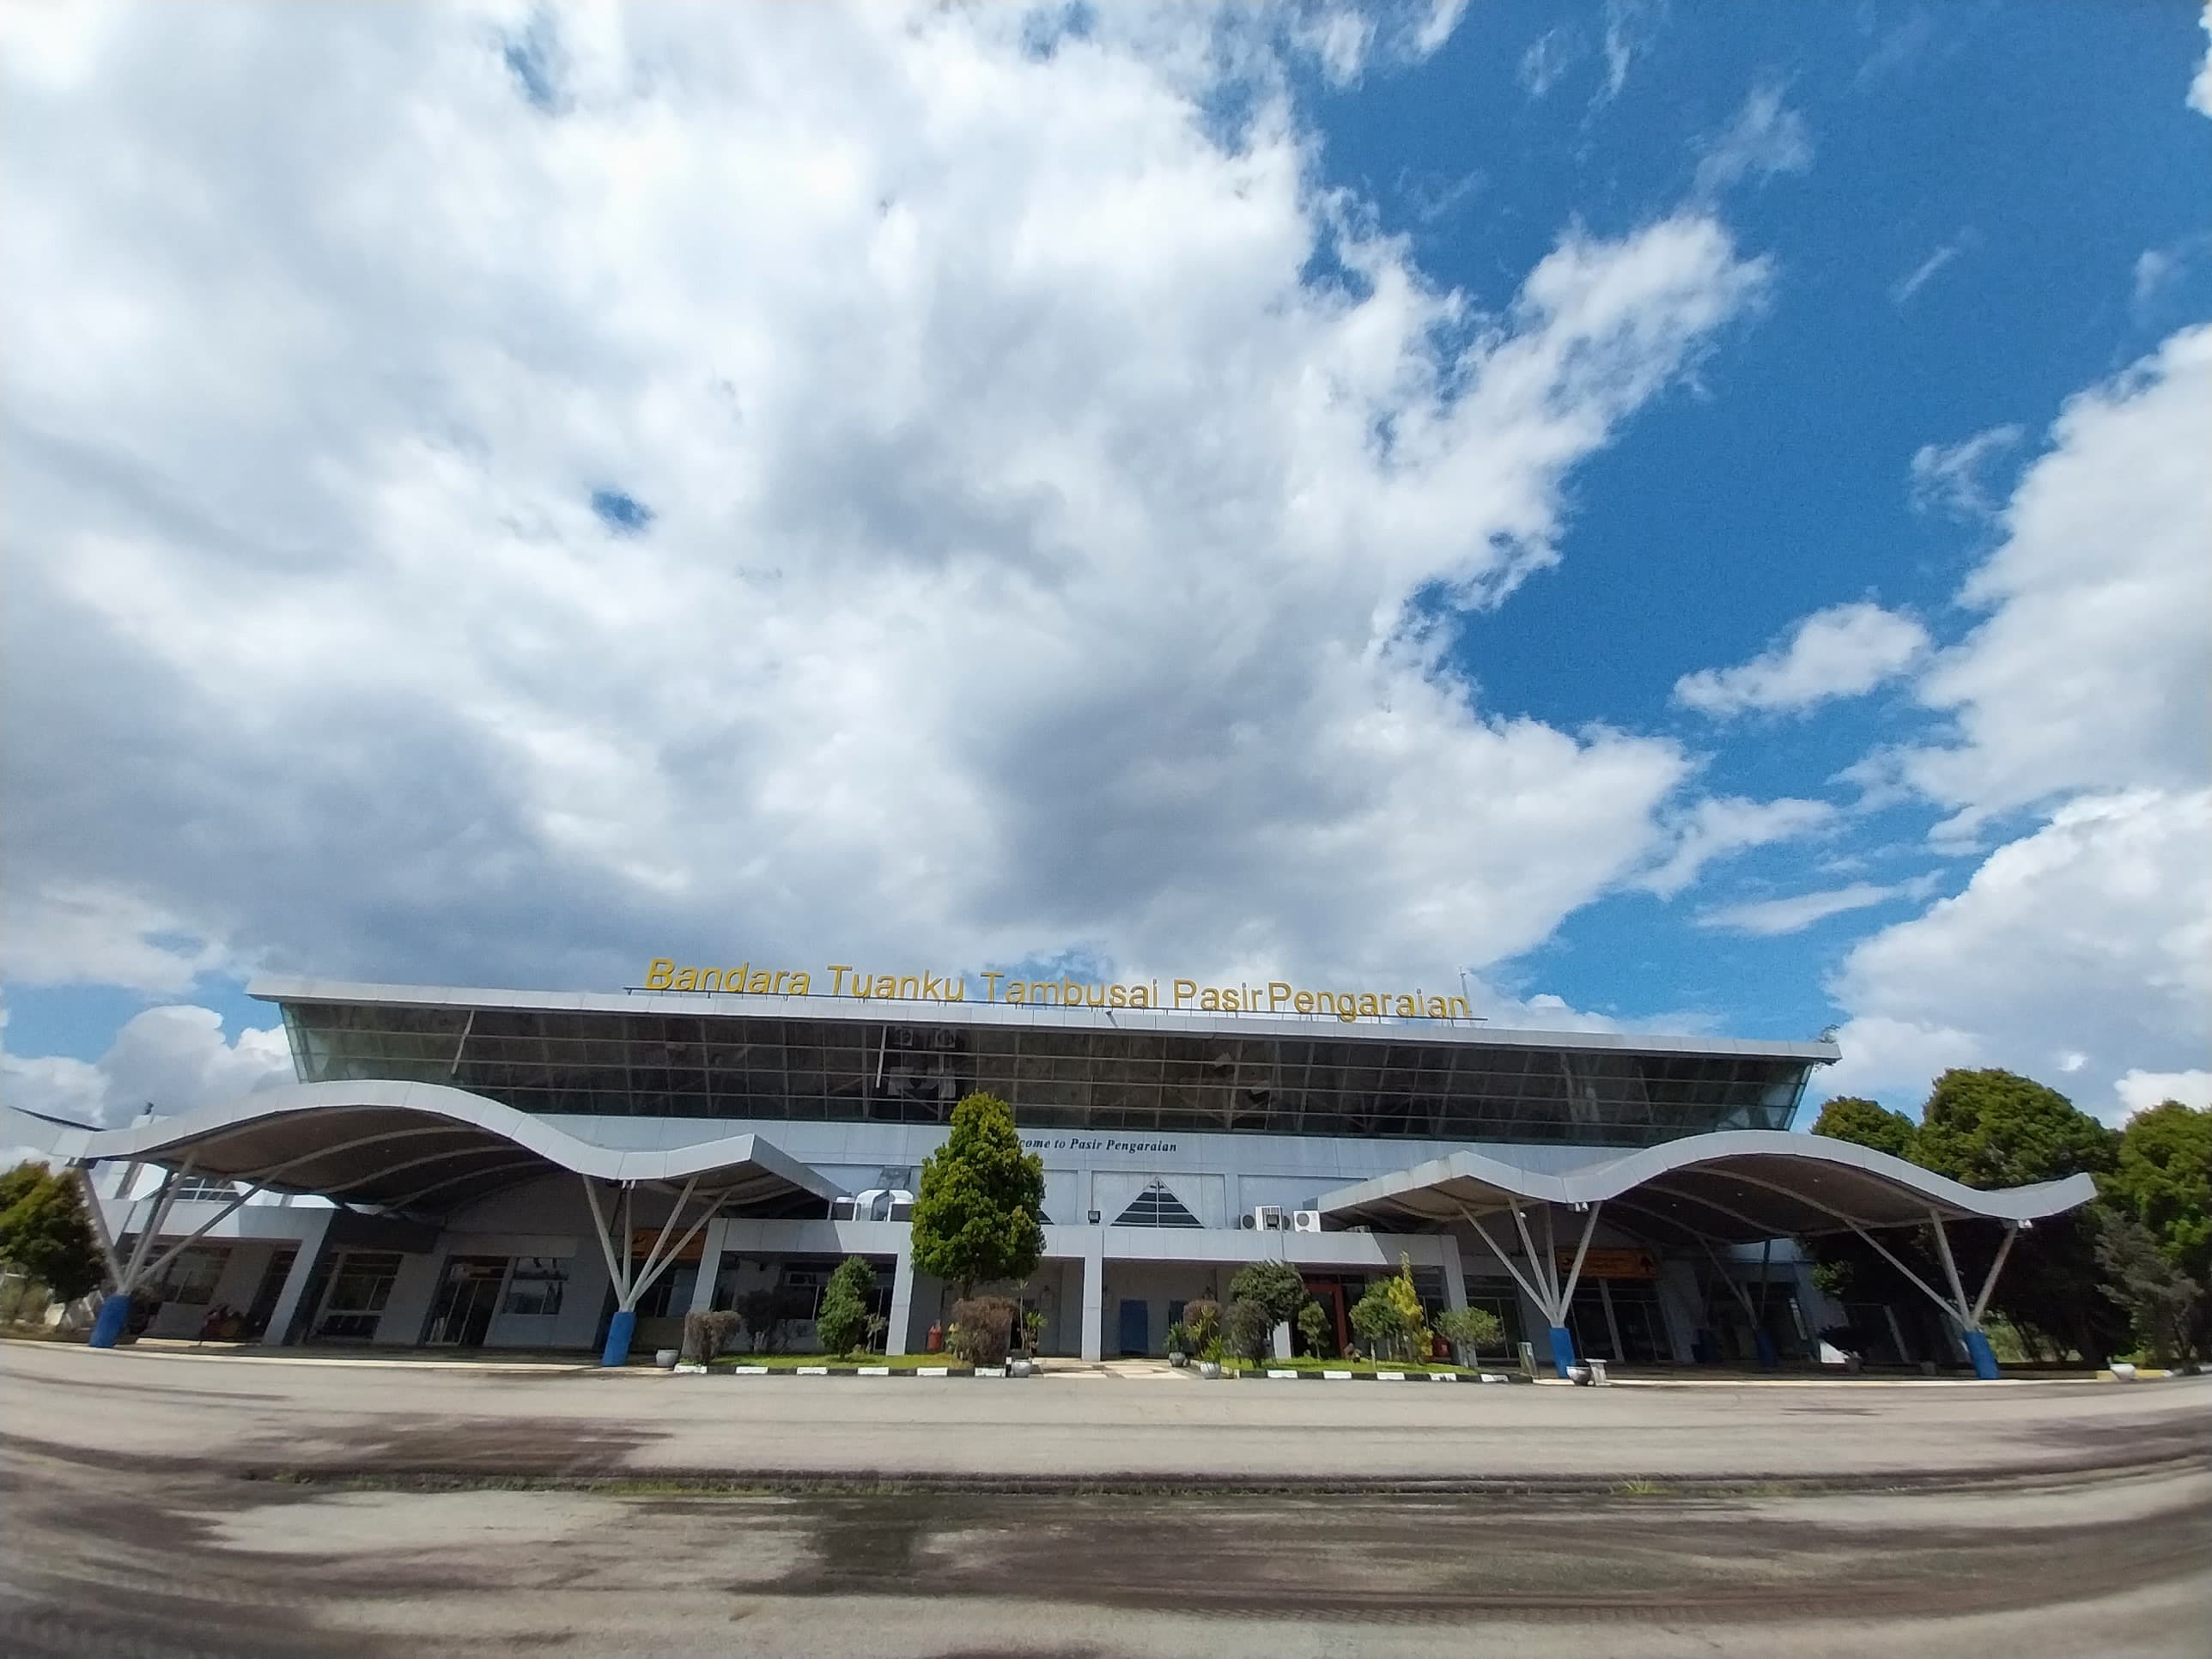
<point x="107" y="1326"/>
<point x="1763" y="1346"/>
<point x="1984" y="1357"/>
<point x="619" y="1332"/>
<point x="1563" y="1349"/>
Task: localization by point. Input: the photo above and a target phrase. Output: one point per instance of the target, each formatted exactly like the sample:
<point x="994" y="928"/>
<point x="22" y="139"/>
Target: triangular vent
<point x="1155" y="1207"/>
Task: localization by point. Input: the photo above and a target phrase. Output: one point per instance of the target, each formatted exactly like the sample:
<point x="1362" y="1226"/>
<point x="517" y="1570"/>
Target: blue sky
<point x="806" y="487"/>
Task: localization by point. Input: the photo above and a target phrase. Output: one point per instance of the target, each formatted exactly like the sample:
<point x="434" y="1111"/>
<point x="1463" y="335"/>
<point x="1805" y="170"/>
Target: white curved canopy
<point x="1737" y="1186"/>
<point x="425" y="1147"/>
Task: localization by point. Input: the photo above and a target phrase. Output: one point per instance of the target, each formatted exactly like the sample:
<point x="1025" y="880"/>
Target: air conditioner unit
<point x="1265" y="1218"/>
<point x="863" y="1206"/>
<point x="1305" y="1221"/>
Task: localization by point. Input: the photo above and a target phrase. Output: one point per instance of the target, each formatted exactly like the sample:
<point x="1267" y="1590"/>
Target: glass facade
<point x="732" y="1066"/>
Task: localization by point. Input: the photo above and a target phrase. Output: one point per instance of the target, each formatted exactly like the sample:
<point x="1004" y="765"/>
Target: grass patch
<point x="1357" y="1367"/>
<point x="791" y="1362"/>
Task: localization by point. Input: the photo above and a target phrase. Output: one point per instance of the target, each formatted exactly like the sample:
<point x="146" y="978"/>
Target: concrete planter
<point x="1020" y="1368"/>
<point x="1179" y="1360"/>
<point x="665" y="1358"/>
<point x="1209" y="1369"/>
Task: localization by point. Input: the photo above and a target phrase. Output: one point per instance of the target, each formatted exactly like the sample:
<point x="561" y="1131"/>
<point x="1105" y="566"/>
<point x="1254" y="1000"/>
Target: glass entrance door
<point x="466" y="1301"/>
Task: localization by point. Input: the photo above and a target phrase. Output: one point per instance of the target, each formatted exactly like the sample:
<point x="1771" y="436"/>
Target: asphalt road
<point x="329" y="1418"/>
<point x="413" y="1513"/>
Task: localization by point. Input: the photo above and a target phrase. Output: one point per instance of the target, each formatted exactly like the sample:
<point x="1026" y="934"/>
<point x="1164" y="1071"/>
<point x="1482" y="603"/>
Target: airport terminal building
<point x="475" y="1169"/>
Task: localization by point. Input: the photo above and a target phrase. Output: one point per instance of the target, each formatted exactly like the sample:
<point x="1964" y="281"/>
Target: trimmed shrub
<point x="1275" y="1285"/>
<point x="981" y="1325"/>
<point x="1470" y="1329"/>
<point x="1247" y="1327"/>
<point x="1381" y="1324"/>
<point x="706" y="1334"/>
<point x="1318" y="1329"/>
<point x="761" y="1312"/>
<point x="842" y="1318"/>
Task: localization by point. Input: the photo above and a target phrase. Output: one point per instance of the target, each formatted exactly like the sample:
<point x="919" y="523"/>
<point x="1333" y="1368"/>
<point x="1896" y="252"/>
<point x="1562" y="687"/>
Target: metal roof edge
<point x="1597" y="1182"/>
<point x="1045" y="1016"/>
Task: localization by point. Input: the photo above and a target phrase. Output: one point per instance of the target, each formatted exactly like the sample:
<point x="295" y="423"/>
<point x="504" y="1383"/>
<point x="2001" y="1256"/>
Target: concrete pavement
<point x="2070" y="1519"/>
<point x="126" y="1403"/>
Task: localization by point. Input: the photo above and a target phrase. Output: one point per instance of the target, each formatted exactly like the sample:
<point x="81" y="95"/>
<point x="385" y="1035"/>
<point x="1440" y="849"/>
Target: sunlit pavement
<point x="167" y="1503"/>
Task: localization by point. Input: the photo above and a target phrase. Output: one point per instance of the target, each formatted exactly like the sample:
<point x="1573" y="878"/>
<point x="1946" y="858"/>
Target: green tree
<point x="2163" y="1177"/>
<point x="1844" y="1266"/>
<point x="842" y="1318"/>
<point x="45" y="1234"/>
<point x="19" y="1179"/>
<point x="2160" y="1299"/>
<point x="976" y="1216"/>
<point x="1389" y="1318"/>
<point x="1275" y="1285"/>
<point x="1246" y="1328"/>
<point x="1412" y="1319"/>
<point x="1866" y="1123"/>
<point x="1470" y="1329"/>
<point x="1993" y="1129"/>
<point x="1318" y="1329"/>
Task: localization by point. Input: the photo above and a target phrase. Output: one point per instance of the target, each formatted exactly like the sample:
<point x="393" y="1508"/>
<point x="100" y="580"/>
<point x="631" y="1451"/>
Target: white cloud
<point x="1844" y="651"/>
<point x="2200" y="86"/>
<point x="2081" y="951"/>
<point x="1948" y="477"/>
<point x="1902" y="290"/>
<point x="2154" y="268"/>
<point x="1429" y="34"/>
<point x="1767" y="137"/>
<point x="1768" y="918"/>
<point x="1345" y="39"/>
<point x="1340" y="40"/>
<point x="1032" y="548"/>
<point x="2158" y="269"/>
<point x="1722" y="826"/>
<point x="2141" y="1091"/>
<point x="1630" y="27"/>
<point x="173" y="1058"/>
<point x="1549" y="57"/>
<point x="2089" y="673"/>
<point x="71" y="933"/>
<point x="1894" y="1060"/>
<point x="2089" y="940"/>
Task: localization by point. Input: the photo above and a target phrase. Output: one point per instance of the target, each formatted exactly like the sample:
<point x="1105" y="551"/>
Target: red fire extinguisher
<point x="937" y="1339"/>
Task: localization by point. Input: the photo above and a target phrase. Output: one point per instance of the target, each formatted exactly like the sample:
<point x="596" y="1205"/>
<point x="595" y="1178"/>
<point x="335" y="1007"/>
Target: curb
<point x="1273" y="1375"/>
<point x="838" y="1370"/>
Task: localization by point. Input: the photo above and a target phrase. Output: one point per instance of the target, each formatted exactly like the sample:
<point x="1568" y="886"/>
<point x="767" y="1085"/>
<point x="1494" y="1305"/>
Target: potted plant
<point x="1178" y="1344"/>
<point x="1209" y="1360"/>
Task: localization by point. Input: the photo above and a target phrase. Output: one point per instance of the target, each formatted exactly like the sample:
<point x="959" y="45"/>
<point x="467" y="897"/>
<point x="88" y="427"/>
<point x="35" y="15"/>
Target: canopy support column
<point x="1762" y="1343"/>
<point x="1543" y="1284"/>
<point x="114" y="1315"/>
<point x="632" y="1278"/>
<point x="1966" y="1315"/>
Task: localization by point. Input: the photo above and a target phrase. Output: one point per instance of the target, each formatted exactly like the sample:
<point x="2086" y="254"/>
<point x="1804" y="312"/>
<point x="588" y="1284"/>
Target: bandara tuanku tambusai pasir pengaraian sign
<point x="843" y="979"/>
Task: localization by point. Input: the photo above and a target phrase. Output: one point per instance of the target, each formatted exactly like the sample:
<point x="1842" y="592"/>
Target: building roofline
<point x="1774" y="1162"/>
<point x="1042" y="1018"/>
<point x="220" y="1137"/>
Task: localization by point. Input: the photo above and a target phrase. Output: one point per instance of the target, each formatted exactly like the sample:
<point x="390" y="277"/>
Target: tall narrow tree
<point x="979" y="1216"/>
